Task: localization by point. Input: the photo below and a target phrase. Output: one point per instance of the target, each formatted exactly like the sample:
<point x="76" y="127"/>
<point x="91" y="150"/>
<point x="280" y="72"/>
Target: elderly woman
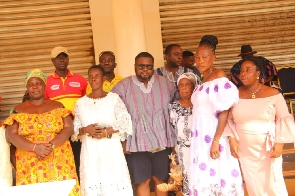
<point x="39" y="129"/>
<point x="101" y="121"/>
<point x="258" y="126"/>
<point x="181" y="119"/>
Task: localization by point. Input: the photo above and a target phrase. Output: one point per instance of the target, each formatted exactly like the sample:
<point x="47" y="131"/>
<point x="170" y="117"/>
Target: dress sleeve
<point x="77" y="124"/>
<point x="11" y="118"/>
<point x="285" y="128"/>
<point x="123" y="121"/>
<point x="223" y="94"/>
<point x="64" y="112"/>
<point x="230" y="128"/>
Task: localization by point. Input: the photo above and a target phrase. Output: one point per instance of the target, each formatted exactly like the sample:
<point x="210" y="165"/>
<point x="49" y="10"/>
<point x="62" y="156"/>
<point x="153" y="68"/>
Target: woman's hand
<point x="214" y="150"/>
<point x="40" y="158"/>
<point x="93" y="131"/>
<point x="234" y="148"/>
<point x="43" y="150"/>
<point x="276" y="150"/>
<point x="124" y="143"/>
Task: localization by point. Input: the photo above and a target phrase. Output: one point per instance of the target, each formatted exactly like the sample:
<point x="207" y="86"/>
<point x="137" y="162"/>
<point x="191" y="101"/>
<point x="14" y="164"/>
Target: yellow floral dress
<point x="41" y="128"/>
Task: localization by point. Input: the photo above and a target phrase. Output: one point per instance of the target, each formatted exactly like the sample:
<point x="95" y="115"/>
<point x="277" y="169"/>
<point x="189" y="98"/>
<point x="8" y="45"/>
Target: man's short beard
<point x="173" y="65"/>
<point x="143" y="79"/>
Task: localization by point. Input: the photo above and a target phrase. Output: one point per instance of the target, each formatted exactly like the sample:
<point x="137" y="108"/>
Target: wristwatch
<point x="52" y="145"/>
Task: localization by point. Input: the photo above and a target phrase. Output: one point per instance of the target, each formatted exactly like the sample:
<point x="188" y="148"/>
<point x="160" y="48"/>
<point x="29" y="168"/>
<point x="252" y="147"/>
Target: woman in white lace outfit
<point x="181" y="119"/>
<point x="101" y="122"/>
<point x="5" y="166"/>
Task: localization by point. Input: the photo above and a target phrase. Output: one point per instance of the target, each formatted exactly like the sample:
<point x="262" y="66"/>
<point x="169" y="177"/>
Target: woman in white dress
<point x="101" y="122"/>
<point x="5" y="166"/>
<point x="212" y="171"/>
<point x="181" y="119"/>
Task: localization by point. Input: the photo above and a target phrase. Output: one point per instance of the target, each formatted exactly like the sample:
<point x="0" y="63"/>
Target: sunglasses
<point x="148" y="66"/>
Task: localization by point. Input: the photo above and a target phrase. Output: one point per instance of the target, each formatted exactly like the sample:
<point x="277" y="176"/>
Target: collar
<point x="170" y="76"/>
<point x="57" y="76"/>
<point x="179" y="71"/>
<point x="117" y="77"/>
<point x="141" y="84"/>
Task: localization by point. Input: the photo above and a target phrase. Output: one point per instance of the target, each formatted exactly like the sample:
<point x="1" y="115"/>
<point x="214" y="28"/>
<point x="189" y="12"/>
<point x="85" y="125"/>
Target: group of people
<point x="128" y="126"/>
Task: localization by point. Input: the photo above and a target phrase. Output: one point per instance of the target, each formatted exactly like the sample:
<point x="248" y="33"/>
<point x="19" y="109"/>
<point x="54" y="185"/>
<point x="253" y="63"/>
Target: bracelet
<point x="216" y="142"/>
<point x="34" y="147"/>
<point x="230" y="138"/>
<point x="109" y="136"/>
<point x="80" y="133"/>
<point x="105" y="129"/>
<point x="52" y="145"/>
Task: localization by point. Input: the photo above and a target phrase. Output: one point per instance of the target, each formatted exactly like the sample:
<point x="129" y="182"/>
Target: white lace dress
<point x="103" y="168"/>
<point x="5" y="166"/>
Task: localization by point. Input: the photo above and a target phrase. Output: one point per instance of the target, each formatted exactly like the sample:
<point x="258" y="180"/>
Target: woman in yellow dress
<point x="39" y="129"/>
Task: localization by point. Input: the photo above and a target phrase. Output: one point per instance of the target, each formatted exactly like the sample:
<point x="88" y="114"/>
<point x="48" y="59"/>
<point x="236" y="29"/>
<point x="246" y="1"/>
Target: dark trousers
<point x="76" y="147"/>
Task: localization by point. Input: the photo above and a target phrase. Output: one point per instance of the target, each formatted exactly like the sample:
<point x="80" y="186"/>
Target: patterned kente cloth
<point x="41" y="128"/>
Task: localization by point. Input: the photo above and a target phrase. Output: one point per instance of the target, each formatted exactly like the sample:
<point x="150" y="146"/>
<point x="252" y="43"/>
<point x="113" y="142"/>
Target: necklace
<point x="253" y="94"/>
<point x="94" y="98"/>
<point x="203" y="80"/>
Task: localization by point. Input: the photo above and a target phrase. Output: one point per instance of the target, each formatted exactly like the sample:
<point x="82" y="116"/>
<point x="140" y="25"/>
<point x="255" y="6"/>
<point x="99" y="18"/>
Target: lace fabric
<point x="5" y="166"/>
<point x="103" y="168"/>
<point x="123" y="119"/>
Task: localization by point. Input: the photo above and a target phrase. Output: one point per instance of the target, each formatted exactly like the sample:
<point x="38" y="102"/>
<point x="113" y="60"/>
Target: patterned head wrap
<point x="188" y="75"/>
<point x="35" y="73"/>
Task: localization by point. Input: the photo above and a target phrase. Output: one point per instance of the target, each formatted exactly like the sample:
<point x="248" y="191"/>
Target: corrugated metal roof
<point x="29" y="30"/>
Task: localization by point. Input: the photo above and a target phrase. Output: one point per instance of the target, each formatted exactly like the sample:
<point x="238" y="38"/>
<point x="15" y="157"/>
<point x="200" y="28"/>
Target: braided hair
<point x="209" y="40"/>
<point x="258" y="63"/>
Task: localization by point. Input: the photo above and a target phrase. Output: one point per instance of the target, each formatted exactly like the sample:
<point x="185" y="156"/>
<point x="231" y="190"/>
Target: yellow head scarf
<point x="35" y="73"/>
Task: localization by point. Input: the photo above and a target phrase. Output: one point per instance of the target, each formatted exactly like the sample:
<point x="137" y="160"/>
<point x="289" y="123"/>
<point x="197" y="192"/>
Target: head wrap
<point x="35" y="73"/>
<point x="188" y="75"/>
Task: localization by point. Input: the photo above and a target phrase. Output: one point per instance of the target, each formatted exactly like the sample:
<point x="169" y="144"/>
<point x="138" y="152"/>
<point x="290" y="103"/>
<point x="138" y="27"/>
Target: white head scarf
<point x="189" y="75"/>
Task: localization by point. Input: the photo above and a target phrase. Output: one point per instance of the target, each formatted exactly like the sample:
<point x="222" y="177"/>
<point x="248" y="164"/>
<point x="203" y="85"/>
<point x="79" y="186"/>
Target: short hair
<point x="187" y="54"/>
<point x="209" y="40"/>
<point x="256" y="61"/>
<point x="97" y="67"/>
<point x="144" y="54"/>
<point x="169" y="47"/>
<point x="108" y="52"/>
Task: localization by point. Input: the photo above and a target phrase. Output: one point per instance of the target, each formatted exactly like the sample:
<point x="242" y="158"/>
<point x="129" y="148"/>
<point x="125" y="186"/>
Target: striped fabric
<point x="148" y="108"/>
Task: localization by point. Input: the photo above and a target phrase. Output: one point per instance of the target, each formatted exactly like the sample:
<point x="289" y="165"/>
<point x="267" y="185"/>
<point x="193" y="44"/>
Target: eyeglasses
<point x="106" y="52"/>
<point x="148" y="66"/>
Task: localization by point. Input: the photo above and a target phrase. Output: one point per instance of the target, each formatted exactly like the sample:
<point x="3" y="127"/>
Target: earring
<point x="257" y="77"/>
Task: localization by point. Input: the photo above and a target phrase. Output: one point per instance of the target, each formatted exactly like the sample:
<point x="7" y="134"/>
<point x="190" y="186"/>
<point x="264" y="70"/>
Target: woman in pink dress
<point x="260" y="124"/>
<point x="212" y="170"/>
